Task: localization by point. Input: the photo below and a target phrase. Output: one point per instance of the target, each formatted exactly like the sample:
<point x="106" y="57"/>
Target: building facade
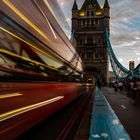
<point x="88" y="28"/>
<point x="131" y="65"/>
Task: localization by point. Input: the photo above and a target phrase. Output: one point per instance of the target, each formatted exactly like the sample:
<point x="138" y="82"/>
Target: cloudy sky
<point x="125" y="27"/>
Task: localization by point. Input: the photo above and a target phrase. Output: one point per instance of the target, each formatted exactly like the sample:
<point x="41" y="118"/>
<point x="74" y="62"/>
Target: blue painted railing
<point x="115" y="62"/>
<point x="113" y="55"/>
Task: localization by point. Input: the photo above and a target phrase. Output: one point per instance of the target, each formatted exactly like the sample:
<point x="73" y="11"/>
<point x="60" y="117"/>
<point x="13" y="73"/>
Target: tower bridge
<point x="91" y="27"/>
<point x="43" y="94"/>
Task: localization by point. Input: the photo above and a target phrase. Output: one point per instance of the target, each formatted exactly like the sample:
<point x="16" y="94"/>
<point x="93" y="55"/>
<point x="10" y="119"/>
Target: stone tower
<point x="88" y="28"/>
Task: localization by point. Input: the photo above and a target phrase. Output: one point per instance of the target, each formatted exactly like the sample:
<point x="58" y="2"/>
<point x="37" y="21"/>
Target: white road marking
<point x="115" y="122"/>
<point x="95" y="136"/>
<point x="105" y="135"/>
<point x="123" y="107"/>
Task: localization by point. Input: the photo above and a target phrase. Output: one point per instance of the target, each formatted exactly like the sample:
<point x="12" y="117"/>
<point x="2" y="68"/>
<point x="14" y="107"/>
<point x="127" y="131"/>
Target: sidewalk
<point x="105" y="125"/>
<point x="126" y="110"/>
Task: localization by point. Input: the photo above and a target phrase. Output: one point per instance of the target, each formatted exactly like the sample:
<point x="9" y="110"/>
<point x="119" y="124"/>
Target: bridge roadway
<point x="57" y="126"/>
<point x="63" y="124"/>
<point x="23" y="105"/>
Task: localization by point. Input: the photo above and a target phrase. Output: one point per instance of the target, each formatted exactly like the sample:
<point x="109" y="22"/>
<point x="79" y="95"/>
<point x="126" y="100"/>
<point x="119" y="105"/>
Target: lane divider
<point x="10" y="95"/>
<point x="22" y="110"/>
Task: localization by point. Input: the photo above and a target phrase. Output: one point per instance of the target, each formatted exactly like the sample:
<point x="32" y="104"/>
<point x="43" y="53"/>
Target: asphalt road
<point x="63" y="124"/>
<point x="23" y="105"/>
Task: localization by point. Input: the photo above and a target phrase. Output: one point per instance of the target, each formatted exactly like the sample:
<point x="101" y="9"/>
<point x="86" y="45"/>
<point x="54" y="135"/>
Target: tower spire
<point x="75" y="7"/>
<point x="106" y="5"/>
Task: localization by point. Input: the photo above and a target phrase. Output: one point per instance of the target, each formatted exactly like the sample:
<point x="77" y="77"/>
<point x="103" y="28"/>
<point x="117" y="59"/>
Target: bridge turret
<point x="106" y="10"/>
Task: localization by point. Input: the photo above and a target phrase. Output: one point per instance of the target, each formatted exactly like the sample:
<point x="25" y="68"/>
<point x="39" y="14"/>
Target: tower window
<point x="94" y="41"/>
<point x="92" y="22"/>
<point x="82" y="55"/>
<point x="101" y="55"/>
<point x="92" y="13"/>
<point x="80" y="41"/>
<point x="96" y="21"/>
<point x="85" y="40"/>
<point x="81" y="23"/>
<point x="89" y="40"/>
<point x="89" y="55"/>
<point x="87" y="23"/>
<point x="88" y="13"/>
<point x="99" y="41"/>
<point x="96" y="55"/>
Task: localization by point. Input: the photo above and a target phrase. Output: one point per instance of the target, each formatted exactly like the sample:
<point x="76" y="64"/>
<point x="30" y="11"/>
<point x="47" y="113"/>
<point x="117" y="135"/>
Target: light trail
<point x="22" y="110"/>
<point x="22" y="16"/>
<point x="52" y="30"/>
<point x="10" y="95"/>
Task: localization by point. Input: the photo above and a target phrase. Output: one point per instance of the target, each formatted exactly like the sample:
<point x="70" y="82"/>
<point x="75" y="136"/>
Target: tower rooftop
<point x="88" y="2"/>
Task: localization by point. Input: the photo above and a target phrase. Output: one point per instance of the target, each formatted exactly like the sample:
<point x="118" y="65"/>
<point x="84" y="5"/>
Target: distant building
<point x="111" y="77"/>
<point x="131" y="65"/>
<point x="88" y="28"/>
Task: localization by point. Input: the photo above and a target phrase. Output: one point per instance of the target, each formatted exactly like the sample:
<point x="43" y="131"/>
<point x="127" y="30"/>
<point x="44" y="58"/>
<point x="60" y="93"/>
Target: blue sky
<point x="125" y="27"/>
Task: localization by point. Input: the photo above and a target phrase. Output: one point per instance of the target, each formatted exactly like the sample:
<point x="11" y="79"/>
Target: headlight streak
<point x="45" y="19"/>
<point x="47" y="4"/>
<point x="12" y="34"/>
<point x="26" y="59"/>
<point x="10" y="95"/>
<point x="22" y="110"/>
<point x="22" y="16"/>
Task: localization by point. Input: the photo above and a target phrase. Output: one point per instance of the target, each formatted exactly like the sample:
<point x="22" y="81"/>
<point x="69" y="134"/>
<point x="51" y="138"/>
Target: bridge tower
<point x="88" y="28"/>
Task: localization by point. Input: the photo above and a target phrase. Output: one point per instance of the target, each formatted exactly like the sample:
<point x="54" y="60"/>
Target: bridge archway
<point x="93" y="73"/>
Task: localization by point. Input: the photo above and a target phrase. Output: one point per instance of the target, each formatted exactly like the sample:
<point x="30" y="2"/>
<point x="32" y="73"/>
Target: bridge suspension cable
<point x="119" y="70"/>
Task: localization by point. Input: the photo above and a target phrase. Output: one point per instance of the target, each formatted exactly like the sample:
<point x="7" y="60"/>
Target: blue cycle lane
<point x="105" y="125"/>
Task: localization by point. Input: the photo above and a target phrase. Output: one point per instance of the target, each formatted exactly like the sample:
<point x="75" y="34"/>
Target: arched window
<point x="89" y="55"/>
<point x="81" y="23"/>
<point x="80" y="41"/>
<point x="88" y="13"/>
<point x="89" y="40"/>
<point x="92" y="13"/>
<point x="82" y="55"/>
<point x="99" y="41"/>
<point x="85" y="40"/>
<point x="96" y="55"/>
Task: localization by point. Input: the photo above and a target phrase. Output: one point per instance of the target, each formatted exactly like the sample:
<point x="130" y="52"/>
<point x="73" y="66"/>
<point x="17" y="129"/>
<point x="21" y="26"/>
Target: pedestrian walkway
<point x="105" y="125"/>
<point x="127" y="110"/>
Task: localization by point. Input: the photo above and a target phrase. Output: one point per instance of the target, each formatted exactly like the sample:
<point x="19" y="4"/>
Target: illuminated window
<point x="98" y="13"/>
<point x="82" y="14"/>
